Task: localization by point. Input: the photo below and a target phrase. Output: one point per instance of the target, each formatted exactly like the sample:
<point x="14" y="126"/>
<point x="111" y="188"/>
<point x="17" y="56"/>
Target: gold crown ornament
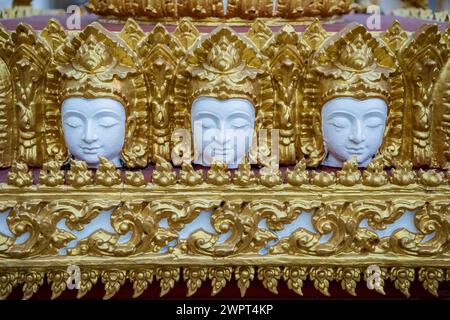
<point x="351" y="63"/>
<point x="97" y="64"/>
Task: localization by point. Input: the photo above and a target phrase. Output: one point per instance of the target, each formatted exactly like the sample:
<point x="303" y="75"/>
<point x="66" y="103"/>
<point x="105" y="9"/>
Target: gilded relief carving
<point x="357" y="215"/>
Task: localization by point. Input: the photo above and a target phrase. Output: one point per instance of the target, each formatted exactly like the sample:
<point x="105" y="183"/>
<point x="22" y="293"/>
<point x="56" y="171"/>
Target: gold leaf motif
<point x="375" y="175"/>
<point x="218" y="174"/>
<point x="323" y="178"/>
<point x="131" y="33"/>
<point x="8" y="280"/>
<point x="141" y="278"/>
<point x="431" y="178"/>
<point x="32" y="280"/>
<point x="379" y="284"/>
<point x="350" y="174"/>
<point x="395" y="37"/>
<point x="113" y="280"/>
<point x="294" y="276"/>
<point x="167" y="276"/>
<point x="186" y="33"/>
<point x="219" y="277"/>
<point x="259" y="33"/>
<point x="19" y="175"/>
<point x="270" y="175"/>
<point x="89" y="278"/>
<point x="189" y="176"/>
<point x="51" y="174"/>
<point x="322" y="277"/>
<point x="135" y="179"/>
<point x="269" y="277"/>
<point x="58" y="280"/>
<point x="299" y="176"/>
<point x="430" y="278"/>
<point x="244" y="275"/>
<point x="79" y="175"/>
<point x="244" y="176"/>
<point x="349" y="278"/>
<point x="194" y="277"/>
<point x="106" y="174"/>
<point x="163" y="174"/>
<point x="402" y="278"/>
<point x="54" y="34"/>
<point x="403" y="174"/>
<point x="314" y="35"/>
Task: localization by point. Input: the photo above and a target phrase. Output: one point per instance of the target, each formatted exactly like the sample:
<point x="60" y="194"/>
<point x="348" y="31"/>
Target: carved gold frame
<point x="337" y="200"/>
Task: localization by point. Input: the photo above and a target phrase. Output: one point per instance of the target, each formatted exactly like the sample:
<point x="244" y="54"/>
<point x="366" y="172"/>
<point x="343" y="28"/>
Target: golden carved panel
<point x="287" y="75"/>
<point x="164" y="74"/>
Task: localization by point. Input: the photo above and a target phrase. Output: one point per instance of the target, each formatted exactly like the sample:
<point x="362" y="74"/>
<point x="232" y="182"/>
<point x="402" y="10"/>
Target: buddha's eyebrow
<point x="73" y="113"/>
<point x="207" y="114"/>
<point x="106" y="112"/>
<point x="240" y="114"/>
<point x="340" y="113"/>
<point x="375" y="113"/>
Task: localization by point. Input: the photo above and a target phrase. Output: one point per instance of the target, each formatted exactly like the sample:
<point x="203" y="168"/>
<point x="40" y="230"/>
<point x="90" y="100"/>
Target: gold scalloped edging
<point x="294" y="276"/>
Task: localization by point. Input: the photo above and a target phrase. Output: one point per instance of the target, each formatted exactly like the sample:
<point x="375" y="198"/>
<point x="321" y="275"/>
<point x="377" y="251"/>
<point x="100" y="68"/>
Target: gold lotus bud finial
<point x="107" y="175"/>
<point x="431" y="178"/>
<point x="270" y="174"/>
<point x="219" y="174"/>
<point x="51" y="174"/>
<point x="299" y="175"/>
<point x="135" y="178"/>
<point x="403" y="173"/>
<point x="323" y="178"/>
<point x="375" y="175"/>
<point x="19" y="175"/>
<point x="189" y="176"/>
<point x="79" y="175"/>
<point x="244" y="176"/>
<point x="350" y="174"/>
<point x="163" y="175"/>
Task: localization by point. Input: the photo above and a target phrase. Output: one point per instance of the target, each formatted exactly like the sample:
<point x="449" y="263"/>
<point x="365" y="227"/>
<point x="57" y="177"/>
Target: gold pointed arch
<point x="257" y="77"/>
<point x="310" y="130"/>
<point x="120" y="78"/>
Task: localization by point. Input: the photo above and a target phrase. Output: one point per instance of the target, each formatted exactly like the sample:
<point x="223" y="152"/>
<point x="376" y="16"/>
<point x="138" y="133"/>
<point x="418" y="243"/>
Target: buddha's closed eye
<point x="73" y="122"/>
<point x="339" y="123"/>
<point x="207" y="123"/>
<point x="239" y="123"/>
<point x="374" y="122"/>
<point x="108" y="122"/>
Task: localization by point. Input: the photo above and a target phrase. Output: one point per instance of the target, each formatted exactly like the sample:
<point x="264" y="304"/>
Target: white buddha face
<point x="222" y="130"/>
<point x="353" y="128"/>
<point x="93" y="128"/>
